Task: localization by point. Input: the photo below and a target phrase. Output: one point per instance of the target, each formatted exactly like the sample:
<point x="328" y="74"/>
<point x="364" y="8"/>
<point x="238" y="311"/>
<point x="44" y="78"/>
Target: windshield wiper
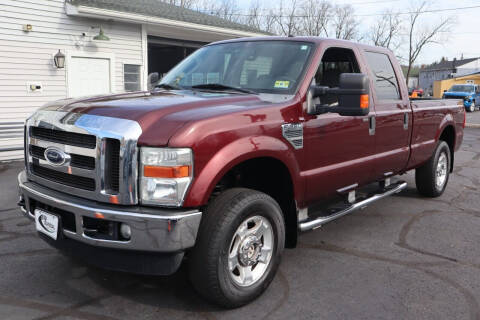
<point x="221" y="87"/>
<point x="169" y="86"/>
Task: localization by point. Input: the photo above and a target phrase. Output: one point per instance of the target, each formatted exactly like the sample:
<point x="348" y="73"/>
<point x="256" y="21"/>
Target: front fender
<point x="235" y="153"/>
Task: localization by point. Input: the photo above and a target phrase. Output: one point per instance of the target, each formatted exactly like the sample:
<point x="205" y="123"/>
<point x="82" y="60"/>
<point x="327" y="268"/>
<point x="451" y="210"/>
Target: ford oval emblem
<point x="55" y="156"/>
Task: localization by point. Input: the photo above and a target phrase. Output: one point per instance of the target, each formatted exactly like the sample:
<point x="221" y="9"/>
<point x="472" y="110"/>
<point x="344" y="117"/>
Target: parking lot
<point x="473" y="118"/>
<point x="405" y="257"/>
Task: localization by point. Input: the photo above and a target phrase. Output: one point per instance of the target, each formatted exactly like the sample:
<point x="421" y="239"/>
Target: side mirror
<point x="353" y="96"/>
<point x="153" y="77"/>
<point x="444" y="90"/>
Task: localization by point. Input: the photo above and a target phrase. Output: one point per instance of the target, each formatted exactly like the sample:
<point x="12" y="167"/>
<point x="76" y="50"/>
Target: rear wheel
<point x="239" y="247"/>
<point x="432" y="178"/>
<point x="472" y="107"/>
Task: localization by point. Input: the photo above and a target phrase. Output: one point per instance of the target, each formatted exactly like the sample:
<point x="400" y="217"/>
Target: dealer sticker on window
<point x="282" y="84"/>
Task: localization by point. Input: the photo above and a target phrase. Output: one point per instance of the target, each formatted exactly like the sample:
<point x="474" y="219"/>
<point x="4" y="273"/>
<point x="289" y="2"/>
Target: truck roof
<point x="317" y="40"/>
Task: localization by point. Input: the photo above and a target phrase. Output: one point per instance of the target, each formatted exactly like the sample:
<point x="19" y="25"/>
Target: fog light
<point x="125" y="231"/>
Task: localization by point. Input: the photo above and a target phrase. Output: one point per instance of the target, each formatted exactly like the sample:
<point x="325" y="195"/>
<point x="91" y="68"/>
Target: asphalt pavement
<point x="473" y="118"/>
<point x="404" y="257"/>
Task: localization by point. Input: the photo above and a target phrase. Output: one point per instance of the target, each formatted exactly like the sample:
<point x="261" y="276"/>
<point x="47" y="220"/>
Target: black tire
<point x="208" y="261"/>
<point x="426" y="175"/>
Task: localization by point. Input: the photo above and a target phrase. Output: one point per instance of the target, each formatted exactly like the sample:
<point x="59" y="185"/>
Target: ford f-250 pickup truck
<point x="238" y="149"/>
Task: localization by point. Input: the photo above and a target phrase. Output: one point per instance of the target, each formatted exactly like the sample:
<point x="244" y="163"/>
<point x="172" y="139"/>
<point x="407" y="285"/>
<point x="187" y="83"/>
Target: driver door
<point x="338" y="149"/>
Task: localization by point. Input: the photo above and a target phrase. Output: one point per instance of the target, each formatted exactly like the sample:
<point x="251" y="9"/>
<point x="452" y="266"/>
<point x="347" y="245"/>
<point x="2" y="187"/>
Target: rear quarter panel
<point x="430" y="118"/>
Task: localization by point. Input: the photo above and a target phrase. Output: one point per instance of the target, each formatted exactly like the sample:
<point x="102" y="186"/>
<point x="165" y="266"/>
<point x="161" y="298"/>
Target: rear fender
<point x="235" y="153"/>
<point x="448" y="121"/>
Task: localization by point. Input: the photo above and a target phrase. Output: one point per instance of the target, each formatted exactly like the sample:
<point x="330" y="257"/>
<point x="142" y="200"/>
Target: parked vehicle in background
<point x="470" y="93"/>
<point x="239" y="148"/>
<point x="415" y="92"/>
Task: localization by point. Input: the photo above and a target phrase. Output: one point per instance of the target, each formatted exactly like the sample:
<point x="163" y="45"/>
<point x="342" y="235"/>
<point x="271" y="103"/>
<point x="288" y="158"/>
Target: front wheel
<point x="432" y="178"/>
<point x="472" y="107"/>
<point x="239" y="247"/>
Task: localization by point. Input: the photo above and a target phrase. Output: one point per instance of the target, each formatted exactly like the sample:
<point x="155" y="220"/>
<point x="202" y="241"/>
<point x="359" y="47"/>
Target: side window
<point x="386" y="82"/>
<point x="335" y="61"/>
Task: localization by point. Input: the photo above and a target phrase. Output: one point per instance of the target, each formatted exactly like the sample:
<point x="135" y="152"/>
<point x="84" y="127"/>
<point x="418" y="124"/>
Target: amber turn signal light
<point x="364" y="101"/>
<point x="166" y="172"/>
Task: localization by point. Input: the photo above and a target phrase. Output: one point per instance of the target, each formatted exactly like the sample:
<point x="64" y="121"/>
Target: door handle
<point x="405" y="121"/>
<point x="372" y="125"/>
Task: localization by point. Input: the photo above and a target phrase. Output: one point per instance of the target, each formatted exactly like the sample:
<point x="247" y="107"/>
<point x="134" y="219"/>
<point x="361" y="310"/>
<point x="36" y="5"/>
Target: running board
<point x="319" y="221"/>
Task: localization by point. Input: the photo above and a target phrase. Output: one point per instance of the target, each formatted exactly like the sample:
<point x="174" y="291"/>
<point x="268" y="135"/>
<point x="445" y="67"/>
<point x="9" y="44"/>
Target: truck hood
<point x="159" y="113"/>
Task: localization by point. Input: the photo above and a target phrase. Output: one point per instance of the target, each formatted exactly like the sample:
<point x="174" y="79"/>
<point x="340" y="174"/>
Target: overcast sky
<point x="463" y="39"/>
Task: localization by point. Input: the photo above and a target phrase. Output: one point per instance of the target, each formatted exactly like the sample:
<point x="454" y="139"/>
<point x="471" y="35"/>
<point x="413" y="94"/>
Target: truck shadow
<point x="164" y="292"/>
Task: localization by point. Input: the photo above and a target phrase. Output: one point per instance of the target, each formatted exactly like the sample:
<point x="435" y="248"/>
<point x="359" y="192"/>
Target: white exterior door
<point x="89" y="76"/>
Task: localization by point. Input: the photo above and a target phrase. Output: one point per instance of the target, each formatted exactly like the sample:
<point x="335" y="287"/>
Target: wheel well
<point x="269" y="176"/>
<point x="448" y="135"/>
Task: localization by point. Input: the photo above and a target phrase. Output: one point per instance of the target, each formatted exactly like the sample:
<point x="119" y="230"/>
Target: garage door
<point x="89" y="76"/>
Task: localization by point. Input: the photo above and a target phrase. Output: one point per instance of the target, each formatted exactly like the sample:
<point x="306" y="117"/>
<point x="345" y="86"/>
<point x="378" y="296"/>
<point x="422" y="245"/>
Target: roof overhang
<point x="154" y="22"/>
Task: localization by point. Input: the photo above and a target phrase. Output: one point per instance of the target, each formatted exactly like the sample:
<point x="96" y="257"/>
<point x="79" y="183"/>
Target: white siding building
<point x="144" y="36"/>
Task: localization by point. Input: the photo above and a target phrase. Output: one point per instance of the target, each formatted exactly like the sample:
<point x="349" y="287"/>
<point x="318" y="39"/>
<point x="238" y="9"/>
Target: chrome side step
<point x="319" y="221"/>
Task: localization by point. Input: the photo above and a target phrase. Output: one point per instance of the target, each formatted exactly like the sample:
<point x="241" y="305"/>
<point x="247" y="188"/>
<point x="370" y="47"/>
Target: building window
<point x="131" y="77"/>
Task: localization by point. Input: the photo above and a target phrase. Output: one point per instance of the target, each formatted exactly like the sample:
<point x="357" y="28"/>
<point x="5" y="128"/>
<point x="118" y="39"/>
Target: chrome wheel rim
<point x="250" y="251"/>
<point x="441" y="172"/>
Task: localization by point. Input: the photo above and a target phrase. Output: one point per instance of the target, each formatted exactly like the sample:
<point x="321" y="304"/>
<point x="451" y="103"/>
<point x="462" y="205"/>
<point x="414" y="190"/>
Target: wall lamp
<point x="101" y="36"/>
<point x="59" y="60"/>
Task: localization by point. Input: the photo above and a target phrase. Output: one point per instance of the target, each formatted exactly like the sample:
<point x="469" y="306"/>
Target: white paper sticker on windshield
<point x="304" y="47"/>
<point x="213" y="77"/>
<point x="197" y="78"/>
<point x="282" y="84"/>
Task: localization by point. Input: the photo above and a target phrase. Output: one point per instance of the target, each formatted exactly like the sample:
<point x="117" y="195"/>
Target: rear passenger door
<point x="393" y="116"/>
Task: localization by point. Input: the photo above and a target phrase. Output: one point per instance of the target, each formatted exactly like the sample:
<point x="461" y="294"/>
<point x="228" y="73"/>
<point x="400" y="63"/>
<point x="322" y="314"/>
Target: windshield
<point x="258" y="66"/>
<point x="462" y="88"/>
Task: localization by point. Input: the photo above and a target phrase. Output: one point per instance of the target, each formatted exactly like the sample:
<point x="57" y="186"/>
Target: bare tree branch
<point x="182" y="3"/>
<point x="226" y="9"/>
<point x="316" y="15"/>
<point x="345" y="25"/>
<point x="386" y="31"/>
<point x="421" y="35"/>
<point x="285" y="18"/>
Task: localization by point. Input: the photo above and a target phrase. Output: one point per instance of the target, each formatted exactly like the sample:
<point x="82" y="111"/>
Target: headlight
<point x="165" y="175"/>
<point x="468" y="98"/>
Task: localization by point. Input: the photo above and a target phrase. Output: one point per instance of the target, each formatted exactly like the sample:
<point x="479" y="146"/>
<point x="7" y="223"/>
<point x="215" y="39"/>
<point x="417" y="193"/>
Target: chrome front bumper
<point x="154" y="230"/>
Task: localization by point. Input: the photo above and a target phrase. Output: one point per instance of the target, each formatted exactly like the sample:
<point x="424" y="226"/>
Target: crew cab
<point x="235" y="152"/>
<point x="470" y="93"/>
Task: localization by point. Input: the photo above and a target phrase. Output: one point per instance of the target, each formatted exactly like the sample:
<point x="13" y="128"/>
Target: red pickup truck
<point x="237" y="149"/>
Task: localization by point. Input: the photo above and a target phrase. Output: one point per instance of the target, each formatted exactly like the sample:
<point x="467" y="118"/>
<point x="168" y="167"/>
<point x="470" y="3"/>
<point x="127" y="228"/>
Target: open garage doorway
<point x="164" y="54"/>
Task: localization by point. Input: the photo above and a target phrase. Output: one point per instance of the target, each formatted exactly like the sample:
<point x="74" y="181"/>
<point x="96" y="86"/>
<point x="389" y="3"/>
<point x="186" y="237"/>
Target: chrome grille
<point x="77" y="160"/>
<point x="100" y="153"/>
<point x="69" y="138"/>
<point x="63" y="178"/>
